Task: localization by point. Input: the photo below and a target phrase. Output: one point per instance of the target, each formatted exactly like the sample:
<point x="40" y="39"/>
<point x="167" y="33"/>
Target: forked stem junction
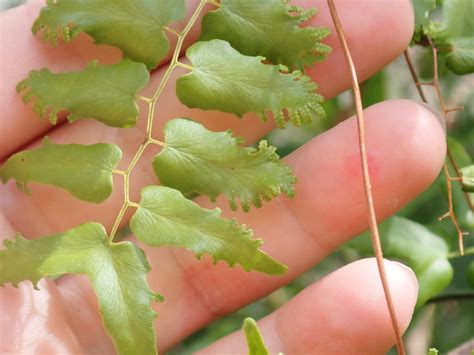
<point x="151" y="113"/>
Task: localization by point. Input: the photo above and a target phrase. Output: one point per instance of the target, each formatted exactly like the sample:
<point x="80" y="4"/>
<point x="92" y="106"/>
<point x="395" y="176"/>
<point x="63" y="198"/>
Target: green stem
<point x="156" y="142"/>
<point x="118" y="172"/>
<point x="457" y="254"/>
<point x="151" y="115"/>
<point x="185" y="66"/>
<point x="143" y="98"/>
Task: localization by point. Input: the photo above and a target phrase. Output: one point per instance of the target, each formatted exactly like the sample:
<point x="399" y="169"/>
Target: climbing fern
<point x="227" y="72"/>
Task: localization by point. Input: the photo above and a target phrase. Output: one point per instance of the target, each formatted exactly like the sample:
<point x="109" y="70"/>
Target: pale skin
<point x="343" y="313"/>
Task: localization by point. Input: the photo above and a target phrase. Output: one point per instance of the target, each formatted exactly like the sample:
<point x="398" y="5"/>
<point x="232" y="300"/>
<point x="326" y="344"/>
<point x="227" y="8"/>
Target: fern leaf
<point x="136" y="27"/>
<point x="268" y="28"/>
<point x="166" y="217"/>
<point x="105" y="93"/>
<point x="196" y="160"/>
<point x="117" y="273"/>
<point x="232" y="82"/>
<point x="84" y="170"/>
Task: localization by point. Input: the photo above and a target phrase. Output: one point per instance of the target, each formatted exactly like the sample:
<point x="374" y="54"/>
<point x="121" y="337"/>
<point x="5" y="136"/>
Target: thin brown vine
<point x="374" y="232"/>
<point x="445" y="111"/>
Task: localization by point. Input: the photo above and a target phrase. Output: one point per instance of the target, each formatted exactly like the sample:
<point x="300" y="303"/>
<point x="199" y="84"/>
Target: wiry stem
<point x="455" y="254"/>
<point x="445" y="111"/>
<point x="414" y="76"/>
<point x="450" y="212"/>
<point x="457" y="170"/>
<point x="126" y="192"/>
<point x="143" y="98"/>
<point x="185" y="66"/>
<point x="156" y="142"/>
<point x="368" y="188"/>
<point x="151" y="115"/>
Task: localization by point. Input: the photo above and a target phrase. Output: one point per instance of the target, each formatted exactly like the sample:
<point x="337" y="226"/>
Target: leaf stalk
<point x="445" y="110"/>
<point x="185" y="66"/>
<point x="143" y="98"/>
<point x="457" y="254"/>
<point x="156" y="142"/>
<point x="151" y="115"/>
<point x="118" y="172"/>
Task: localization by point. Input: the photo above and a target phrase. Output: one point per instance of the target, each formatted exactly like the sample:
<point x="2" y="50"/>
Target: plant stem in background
<point x="445" y="111"/>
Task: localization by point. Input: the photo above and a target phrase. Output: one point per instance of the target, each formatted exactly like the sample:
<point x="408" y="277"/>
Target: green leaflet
<point x="166" y="217"/>
<point x="196" y="160"/>
<point x="468" y="178"/>
<point x="461" y="57"/>
<point x="232" y="82"/>
<point x="84" y="170"/>
<point x="105" y="93"/>
<point x="459" y="28"/>
<point x="117" y="273"/>
<point x="136" y="27"/>
<point x="415" y="245"/>
<point x="267" y="28"/>
<point x="254" y="338"/>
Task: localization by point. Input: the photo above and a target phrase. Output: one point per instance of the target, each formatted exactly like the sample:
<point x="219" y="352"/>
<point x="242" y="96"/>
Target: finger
<point x="344" y="313"/>
<point x="406" y="147"/>
<point x="49" y="202"/>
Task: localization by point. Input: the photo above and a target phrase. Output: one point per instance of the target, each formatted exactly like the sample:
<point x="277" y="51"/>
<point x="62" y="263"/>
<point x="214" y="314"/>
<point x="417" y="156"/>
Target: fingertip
<point x="343" y="313"/>
<point x="406" y="146"/>
<point x="419" y="133"/>
<point x="404" y="284"/>
<point x="346" y="312"/>
<point x="403" y="288"/>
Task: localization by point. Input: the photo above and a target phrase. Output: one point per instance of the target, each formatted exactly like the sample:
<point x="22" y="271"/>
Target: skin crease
<point x="404" y="139"/>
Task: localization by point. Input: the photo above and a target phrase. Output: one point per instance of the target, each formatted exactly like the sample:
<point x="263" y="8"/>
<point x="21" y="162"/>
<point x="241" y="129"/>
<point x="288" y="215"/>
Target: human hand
<point x="343" y="313"/>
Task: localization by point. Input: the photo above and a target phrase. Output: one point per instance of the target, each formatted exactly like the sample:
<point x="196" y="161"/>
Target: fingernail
<point x="436" y="113"/>
<point x="408" y="273"/>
